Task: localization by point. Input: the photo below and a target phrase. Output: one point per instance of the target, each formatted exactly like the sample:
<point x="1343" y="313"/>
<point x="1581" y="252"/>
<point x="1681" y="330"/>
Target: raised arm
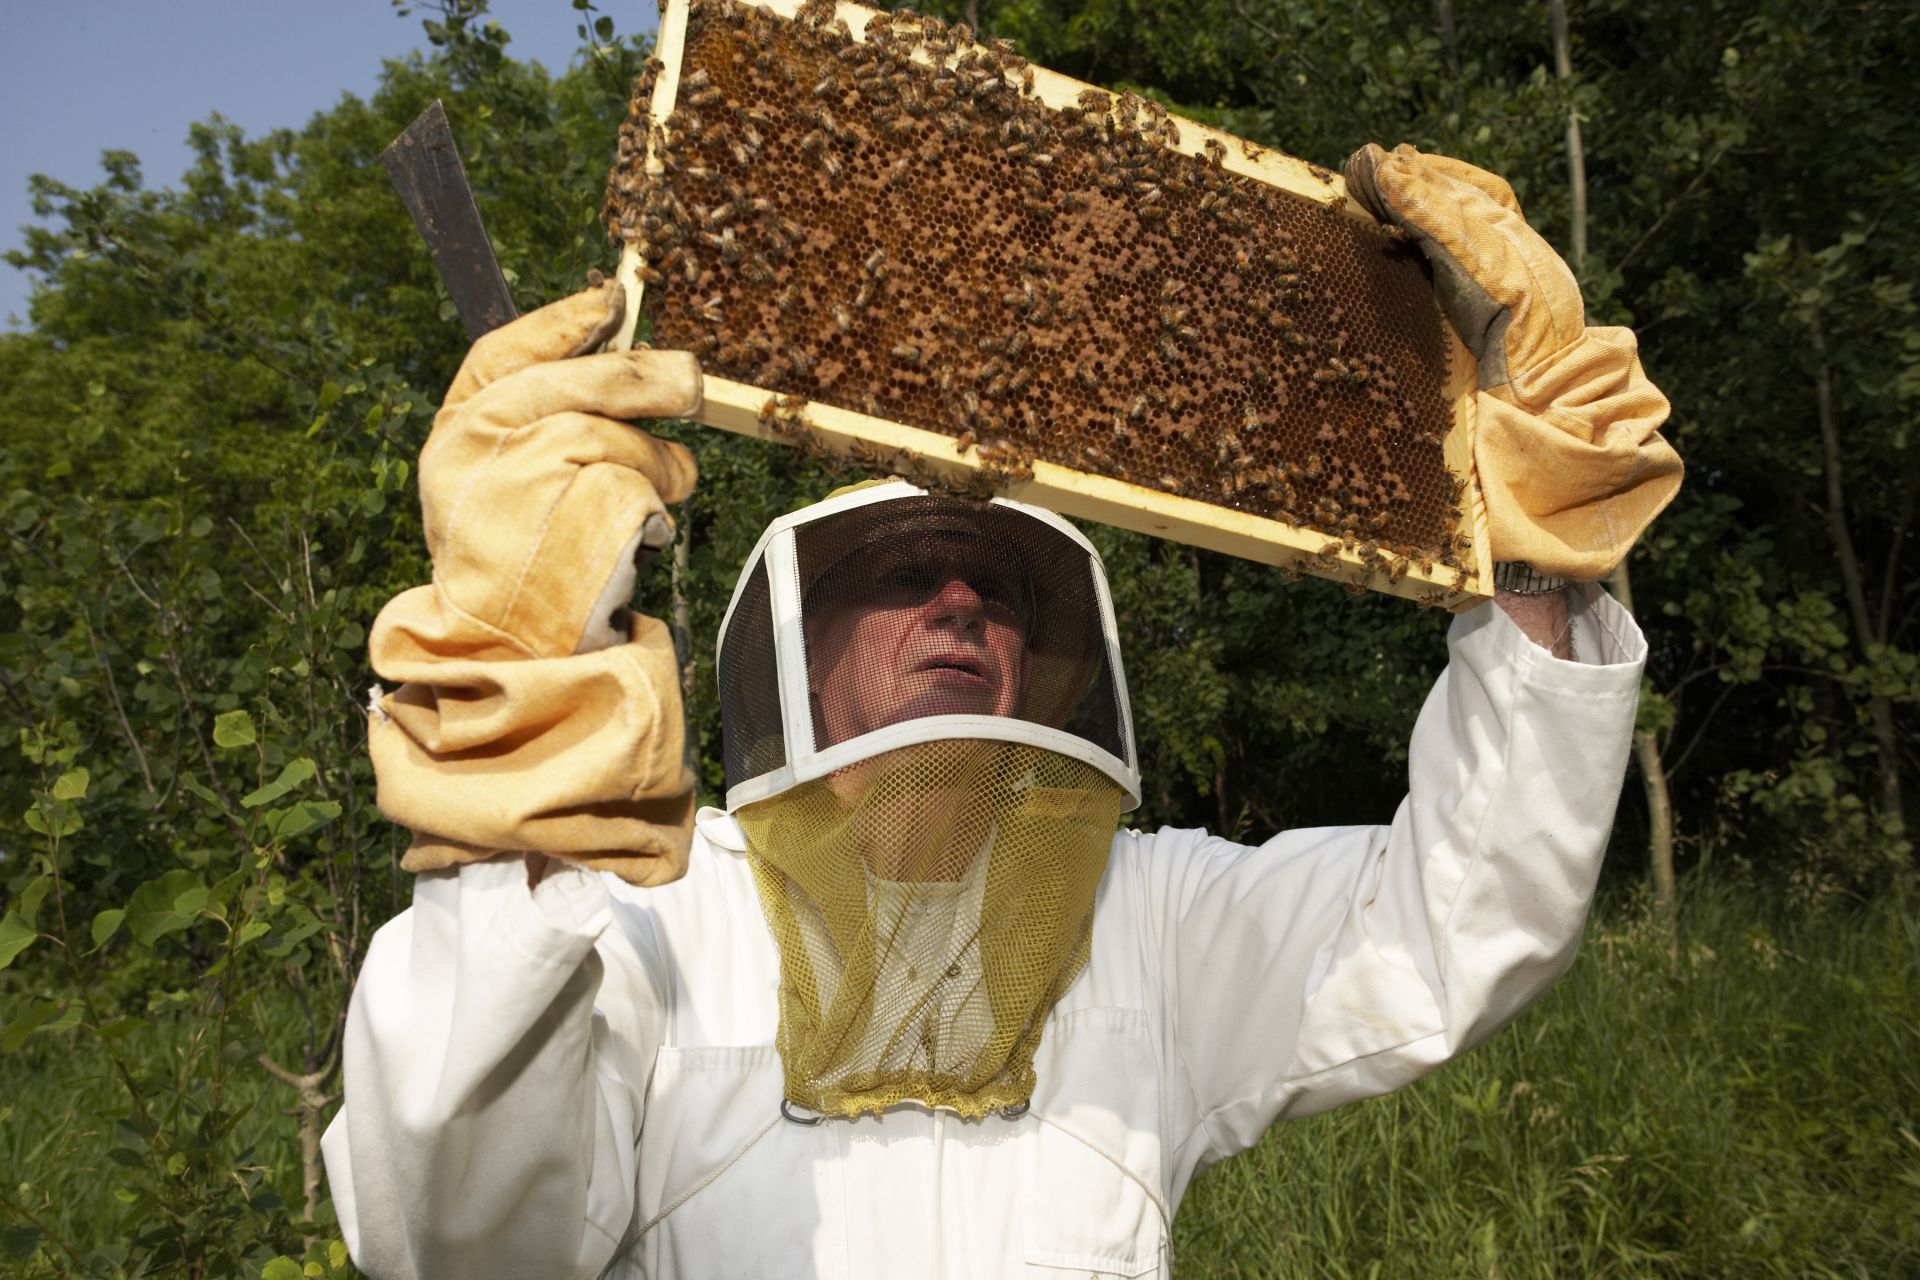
<point x="491" y="1108"/>
<point x="1338" y="963"/>
<point x="1330" y="965"/>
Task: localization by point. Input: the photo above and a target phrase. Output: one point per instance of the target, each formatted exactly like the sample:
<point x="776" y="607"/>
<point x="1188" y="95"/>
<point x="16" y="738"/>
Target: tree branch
<point x="119" y="711"/>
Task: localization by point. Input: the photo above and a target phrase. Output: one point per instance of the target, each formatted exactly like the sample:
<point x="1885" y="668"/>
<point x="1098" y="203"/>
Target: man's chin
<point x="947" y="694"/>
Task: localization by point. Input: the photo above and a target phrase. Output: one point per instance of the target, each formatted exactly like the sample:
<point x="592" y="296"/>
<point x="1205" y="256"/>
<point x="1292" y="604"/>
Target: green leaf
<point x="21" y="1242"/>
<point x="281" y="1268"/>
<point x="16" y="935"/>
<point x="106" y="924"/>
<point x="28" y="904"/>
<point x="198" y="788"/>
<point x="329" y="395"/>
<point x="233" y="729"/>
<point x="305" y="925"/>
<point x="70" y="785"/>
<point x="252" y="930"/>
<point x="120" y="1027"/>
<point x="308" y="815"/>
<point x="38" y="1015"/>
<point x="296" y="772"/>
<point x="164" y="905"/>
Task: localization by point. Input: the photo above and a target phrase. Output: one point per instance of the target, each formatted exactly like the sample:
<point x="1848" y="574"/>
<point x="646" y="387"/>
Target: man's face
<point x="901" y="632"/>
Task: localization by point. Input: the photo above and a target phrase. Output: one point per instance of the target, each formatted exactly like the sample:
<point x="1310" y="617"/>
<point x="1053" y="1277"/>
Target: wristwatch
<point x="1516" y="577"/>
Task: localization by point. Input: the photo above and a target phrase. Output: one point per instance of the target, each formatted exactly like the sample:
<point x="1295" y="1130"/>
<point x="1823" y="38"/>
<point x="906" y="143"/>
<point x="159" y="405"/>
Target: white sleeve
<point x="1339" y="963"/>
<point x="497" y="1055"/>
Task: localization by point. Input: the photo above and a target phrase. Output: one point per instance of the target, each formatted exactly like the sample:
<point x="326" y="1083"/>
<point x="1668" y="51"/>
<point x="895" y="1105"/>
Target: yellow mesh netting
<point x="930" y="905"/>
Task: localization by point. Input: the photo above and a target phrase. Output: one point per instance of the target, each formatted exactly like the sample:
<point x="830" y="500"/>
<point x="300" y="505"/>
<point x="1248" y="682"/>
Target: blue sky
<point x="85" y="76"/>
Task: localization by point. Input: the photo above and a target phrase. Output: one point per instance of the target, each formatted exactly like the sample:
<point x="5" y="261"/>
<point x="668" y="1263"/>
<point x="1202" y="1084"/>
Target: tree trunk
<point x="314" y="1101"/>
<point x="1653" y="778"/>
<point x="1646" y="747"/>
<point x="1879" y="710"/>
<point x="1443" y="18"/>
<point x="1576" y="153"/>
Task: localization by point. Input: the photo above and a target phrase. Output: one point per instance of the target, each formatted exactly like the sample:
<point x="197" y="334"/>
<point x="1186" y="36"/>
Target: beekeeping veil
<point x="928" y="748"/>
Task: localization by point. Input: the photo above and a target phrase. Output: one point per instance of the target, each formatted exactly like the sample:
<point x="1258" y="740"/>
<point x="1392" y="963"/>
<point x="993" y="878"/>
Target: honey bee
<point x="842" y="318"/>
<point x="964" y="441"/>
<point x="1018" y="382"/>
<point x="906" y="353"/>
<point x="831" y="163"/>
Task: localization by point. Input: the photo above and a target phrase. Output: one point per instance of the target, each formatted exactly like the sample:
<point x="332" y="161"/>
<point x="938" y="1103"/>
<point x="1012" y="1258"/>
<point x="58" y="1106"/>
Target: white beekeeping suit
<point x="624" y="1046"/>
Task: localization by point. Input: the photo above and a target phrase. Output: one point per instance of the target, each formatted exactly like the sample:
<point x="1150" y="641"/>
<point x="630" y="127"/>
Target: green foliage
<point x="207" y="495"/>
<point x="1733" y="1096"/>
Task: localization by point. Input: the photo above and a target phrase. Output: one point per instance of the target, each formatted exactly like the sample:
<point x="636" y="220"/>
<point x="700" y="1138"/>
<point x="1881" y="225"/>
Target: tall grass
<point x="1739" y="1097"/>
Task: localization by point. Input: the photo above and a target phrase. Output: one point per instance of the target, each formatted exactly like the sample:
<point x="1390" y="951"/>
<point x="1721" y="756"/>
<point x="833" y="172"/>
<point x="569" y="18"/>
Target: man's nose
<point x="958" y="602"/>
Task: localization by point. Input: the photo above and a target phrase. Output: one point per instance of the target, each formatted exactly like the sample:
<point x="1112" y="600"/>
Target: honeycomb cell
<point x="920" y="238"/>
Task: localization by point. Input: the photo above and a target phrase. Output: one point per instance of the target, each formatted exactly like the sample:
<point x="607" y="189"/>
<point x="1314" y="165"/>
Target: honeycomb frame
<point x="1456" y="575"/>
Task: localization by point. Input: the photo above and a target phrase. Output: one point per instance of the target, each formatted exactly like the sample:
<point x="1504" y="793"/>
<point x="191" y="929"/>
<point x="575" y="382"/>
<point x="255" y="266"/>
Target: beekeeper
<point x="907" y="1005"/>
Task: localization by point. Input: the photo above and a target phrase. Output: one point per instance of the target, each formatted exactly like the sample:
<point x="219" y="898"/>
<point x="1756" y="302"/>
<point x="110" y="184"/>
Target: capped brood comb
<point x="888" y="242"/>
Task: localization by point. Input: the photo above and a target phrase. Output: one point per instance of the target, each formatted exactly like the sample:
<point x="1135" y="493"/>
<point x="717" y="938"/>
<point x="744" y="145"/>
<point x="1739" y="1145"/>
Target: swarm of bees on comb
<point x="929" y="256"/>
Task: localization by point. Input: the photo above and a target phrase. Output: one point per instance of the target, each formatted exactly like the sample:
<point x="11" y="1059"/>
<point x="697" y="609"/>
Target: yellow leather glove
<point x="1566" y="441"/>
<point x="536" y="713"/>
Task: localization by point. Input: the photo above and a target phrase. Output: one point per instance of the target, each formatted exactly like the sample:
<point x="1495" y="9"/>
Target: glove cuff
<point x="580" y="757"/>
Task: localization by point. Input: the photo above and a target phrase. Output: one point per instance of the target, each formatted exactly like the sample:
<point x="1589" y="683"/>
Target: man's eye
<point x="907" y="578"/>
<point x="991" y="589"/>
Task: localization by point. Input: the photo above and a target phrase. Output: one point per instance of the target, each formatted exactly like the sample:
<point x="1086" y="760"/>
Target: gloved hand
<point x="537" y="713"/>
<point x="1567" y="442"/>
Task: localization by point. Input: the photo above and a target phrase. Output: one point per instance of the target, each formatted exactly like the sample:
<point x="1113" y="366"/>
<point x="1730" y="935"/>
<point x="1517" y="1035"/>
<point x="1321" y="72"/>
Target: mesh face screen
<point x="918" y="238"/>
<point x="930" y="905"/>
<point x="750" y="686"/>
<point x="927" y="606"/>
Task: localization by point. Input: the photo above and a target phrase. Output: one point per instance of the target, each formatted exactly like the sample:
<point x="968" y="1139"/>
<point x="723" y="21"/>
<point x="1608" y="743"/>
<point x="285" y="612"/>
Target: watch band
<point x="1519" y="578"/>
